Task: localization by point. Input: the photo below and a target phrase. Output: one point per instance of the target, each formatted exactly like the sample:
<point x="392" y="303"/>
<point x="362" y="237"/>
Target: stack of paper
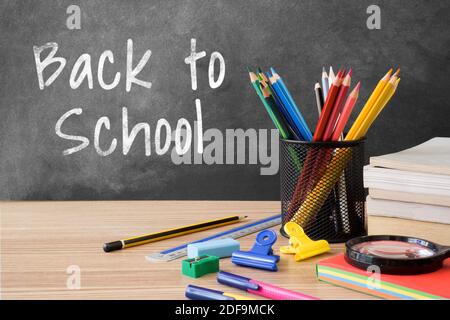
<point x="411" y="184"/>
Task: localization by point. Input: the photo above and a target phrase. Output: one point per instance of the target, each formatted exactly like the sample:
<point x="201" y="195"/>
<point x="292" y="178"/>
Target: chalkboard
<point x="295" y="37"/>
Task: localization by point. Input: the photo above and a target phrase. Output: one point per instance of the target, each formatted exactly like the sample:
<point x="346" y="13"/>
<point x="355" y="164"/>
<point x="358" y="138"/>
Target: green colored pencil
<point x="270" y="109"/>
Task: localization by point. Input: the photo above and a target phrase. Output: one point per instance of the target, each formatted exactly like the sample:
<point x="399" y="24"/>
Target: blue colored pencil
<point x="281" y="107"/>
<point x="290" y="104"/>
<point x="284" y="102"/>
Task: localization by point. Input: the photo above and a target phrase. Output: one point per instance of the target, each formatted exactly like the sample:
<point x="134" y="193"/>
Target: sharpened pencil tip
<point x="317" y="86"/>
<point x="388" y="74"/>
<point x="350" y="72"/>
<point x="358" y="85"/>
<point x="253" y="76"/>
<point x="397" y="72"/>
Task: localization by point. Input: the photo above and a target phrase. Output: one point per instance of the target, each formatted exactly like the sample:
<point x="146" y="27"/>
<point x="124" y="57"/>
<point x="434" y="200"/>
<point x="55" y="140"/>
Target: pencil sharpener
<point x="198" y="267"/>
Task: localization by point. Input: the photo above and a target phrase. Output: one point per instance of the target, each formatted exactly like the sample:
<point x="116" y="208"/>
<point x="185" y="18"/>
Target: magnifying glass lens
<point x="393" y="249"/>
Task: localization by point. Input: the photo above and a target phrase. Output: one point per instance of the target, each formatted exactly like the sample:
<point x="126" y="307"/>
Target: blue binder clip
<point x="261" y="255"/>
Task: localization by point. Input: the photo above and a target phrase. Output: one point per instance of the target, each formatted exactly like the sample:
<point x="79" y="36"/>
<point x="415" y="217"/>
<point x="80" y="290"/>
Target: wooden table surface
<point x="41" y="240"/>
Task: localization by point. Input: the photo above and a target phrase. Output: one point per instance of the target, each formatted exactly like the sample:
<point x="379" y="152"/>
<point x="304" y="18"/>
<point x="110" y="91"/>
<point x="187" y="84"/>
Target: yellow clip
<point x="301" y="245"/>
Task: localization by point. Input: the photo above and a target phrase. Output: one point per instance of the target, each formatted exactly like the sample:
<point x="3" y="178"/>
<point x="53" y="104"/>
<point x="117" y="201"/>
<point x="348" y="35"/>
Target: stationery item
<point x="171" y="233"/>
<point x="220" y="248"/>
<point x="346" y="111"/>
<point x="249" y="228"/>
<point x="319" y="97"/>
<point x="285" y="105"/>
<point x="327" y="108"/>
<point x="388" y="91"/>
<point x="273" y="114"/>
<point x="325" y="85"/>
<point x="370" y="102"/>
<point x="260" y="288"/>
<point x="261" y="255"/>
<point x="408" y="210"/>
<point x="291" y="106"/>
<point x="337" y="271"/>
<point x="301" y="245"/>
<point x="283" y="110"/>
<point x="278" y="105"/>
<point x="314" y="163"/>
<point x="337" y="107"/>
<point x="269" y="97"/>
<point x="331" y="76"/>
<point x="199" y="266"/>
<point x="341" y="216"/>
<point x="432" y="156"/>
<point x="396" y="254"/>
<point x="316" y="198"/>
<point x="200" y="293"/>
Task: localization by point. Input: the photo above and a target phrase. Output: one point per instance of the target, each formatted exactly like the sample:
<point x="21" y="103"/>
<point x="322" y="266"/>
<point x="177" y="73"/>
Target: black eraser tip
<point x="112" y="246"/>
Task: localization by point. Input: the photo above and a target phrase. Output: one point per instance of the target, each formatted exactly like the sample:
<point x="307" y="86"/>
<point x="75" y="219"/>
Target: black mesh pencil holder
<point x="322" y="188"/>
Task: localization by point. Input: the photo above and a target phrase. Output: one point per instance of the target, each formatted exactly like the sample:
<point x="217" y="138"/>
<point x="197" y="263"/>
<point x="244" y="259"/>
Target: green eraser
<point x="197" y="267"/>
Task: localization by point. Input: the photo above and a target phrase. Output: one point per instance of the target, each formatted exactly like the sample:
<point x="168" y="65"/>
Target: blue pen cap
<point x="233" y="280"/>
<point x="199" y="293"/>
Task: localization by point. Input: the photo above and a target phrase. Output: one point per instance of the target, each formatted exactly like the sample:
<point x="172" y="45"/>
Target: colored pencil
<point x="331" y="76"/>
<point x="325" y="84"/>
<point x="327" y="108"/>
<point x="296" y="115"/>
<point x="381" y="102"/>
<point x="319" y="97"/>
<point x="270" y="110"/>
<point x="337" y="107"/>
<point x="346" y="111"/>
<point x="373" y="97"/>
<point x="265" y="90"/>
<point x="171" y="233"/>
<point x="281" y="108"/>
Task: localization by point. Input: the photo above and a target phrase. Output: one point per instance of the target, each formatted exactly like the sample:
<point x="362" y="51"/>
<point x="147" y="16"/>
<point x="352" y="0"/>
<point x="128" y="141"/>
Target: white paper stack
<point x="411" y="184"/>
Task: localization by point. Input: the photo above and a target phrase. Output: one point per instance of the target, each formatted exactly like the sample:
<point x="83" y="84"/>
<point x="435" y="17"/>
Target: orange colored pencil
<point x="327" y="108"/>
<point x="346" y="111"/>
<point x="337" y="107"/>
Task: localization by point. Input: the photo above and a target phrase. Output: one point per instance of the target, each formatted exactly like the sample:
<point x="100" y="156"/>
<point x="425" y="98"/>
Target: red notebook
<point x="435" y="285"/>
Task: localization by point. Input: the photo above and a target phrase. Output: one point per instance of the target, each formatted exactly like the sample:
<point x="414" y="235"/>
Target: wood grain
<point x="40" y="240"/>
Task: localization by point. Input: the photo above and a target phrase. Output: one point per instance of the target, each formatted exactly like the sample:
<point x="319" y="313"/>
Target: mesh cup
<point x="322" y="188"/>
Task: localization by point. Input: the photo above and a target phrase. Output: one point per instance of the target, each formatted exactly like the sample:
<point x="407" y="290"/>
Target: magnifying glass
<point x="396" y="254"/>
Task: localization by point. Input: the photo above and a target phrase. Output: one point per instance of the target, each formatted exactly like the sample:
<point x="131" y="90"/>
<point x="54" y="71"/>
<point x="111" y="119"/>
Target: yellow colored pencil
<point x="381" y="102"/>
<point x="369" y="104"/>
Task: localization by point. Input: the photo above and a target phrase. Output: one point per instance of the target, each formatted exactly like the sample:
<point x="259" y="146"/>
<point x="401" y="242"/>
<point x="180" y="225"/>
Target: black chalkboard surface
<point x="295" y="37"/>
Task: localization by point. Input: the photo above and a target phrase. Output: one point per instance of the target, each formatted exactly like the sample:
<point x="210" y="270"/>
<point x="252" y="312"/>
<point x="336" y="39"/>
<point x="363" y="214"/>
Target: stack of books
<point x="411" y="184"/>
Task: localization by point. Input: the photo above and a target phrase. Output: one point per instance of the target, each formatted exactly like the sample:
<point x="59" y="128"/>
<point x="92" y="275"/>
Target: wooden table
<point x="41" y="240"/>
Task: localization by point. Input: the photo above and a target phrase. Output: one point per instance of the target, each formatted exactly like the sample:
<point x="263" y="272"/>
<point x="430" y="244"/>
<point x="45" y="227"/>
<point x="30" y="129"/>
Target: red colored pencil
<point x="337" y="107"/>
<point x="327" y="108"/>
<point x="346" y="111"/>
